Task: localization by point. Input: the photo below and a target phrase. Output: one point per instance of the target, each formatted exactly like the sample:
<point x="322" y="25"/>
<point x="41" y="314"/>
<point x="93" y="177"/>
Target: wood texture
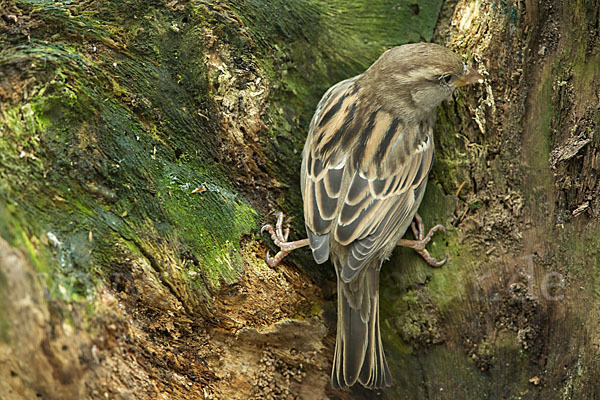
<point x="142" y="144"/>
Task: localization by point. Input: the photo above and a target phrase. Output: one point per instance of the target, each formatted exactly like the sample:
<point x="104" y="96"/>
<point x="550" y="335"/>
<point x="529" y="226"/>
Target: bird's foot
<point x="280" y="237"/>
<point x="421" y="241"/>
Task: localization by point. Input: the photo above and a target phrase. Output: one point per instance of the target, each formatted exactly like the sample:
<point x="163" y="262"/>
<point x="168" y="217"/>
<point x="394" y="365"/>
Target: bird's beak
<point x="469" y="77"/>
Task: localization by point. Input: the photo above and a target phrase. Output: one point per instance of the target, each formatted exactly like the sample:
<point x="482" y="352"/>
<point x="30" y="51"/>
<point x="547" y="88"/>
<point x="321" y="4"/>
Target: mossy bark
<point x="142" y="143"/>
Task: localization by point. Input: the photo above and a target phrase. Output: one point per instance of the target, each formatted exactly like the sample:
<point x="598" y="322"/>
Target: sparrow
<point x="364" y="171"/>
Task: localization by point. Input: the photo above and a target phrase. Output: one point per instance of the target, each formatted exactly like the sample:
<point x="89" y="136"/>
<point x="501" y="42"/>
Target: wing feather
<point x="326" y="204"/>
<point x="333" y="182"/>
<point x="363" y="174"/>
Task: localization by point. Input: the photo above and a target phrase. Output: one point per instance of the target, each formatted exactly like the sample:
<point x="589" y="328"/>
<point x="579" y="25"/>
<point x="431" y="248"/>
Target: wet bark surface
<point x="143" y="143"/>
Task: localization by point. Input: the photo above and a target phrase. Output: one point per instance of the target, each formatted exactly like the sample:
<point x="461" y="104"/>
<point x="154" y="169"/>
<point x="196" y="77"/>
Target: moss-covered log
<point x="142" y="143"/>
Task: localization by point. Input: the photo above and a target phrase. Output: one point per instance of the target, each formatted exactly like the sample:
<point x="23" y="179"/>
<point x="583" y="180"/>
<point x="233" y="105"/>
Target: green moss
<point x="4" y="325"/>
<point x="116" y="151"/>
<point x="407" y="268"/>
<point x="425" y="375"/>
<point x="538" y="151"/>
<point x="211" y="221"/>
<point x="579" y="255"/>
<point x="315" y="309"/>
<point x="4" y="328"/>
<point x="451" y="158"/>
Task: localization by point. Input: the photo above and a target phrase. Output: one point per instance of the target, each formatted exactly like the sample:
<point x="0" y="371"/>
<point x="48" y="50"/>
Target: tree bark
<point x="143" y="143"/>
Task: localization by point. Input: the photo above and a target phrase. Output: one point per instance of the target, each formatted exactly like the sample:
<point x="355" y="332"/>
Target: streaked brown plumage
<point x="364" y="172"/>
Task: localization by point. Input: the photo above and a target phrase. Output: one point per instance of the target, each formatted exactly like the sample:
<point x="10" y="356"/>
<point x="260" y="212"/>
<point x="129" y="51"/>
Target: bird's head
<point x="413" y="79"/>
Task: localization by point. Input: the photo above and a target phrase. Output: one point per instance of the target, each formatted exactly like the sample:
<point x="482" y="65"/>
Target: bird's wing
<point x="362" y="171"/>
<point x="322" y="174"/>
<point x="382" y="198"/>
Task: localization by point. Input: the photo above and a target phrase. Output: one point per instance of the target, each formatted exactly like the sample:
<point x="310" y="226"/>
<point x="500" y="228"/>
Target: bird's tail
<point x="358" y="348"/>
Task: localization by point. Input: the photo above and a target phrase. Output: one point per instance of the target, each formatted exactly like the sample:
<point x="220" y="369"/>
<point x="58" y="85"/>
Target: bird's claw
<point x="280" y="237"/>
<point x="265" y="228"/>
<point x="421" y="241"/>
<point x="273" y="261"/>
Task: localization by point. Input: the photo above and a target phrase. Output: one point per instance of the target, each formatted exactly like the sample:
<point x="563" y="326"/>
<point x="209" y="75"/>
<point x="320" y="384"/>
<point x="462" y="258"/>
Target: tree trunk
<point x="143" y="143"/>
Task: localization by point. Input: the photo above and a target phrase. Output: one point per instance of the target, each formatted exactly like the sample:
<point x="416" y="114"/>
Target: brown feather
<point x="365" y="165"/>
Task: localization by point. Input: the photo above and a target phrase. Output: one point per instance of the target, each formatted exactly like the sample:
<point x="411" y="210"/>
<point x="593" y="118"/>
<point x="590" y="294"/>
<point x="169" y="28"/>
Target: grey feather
<point x="319" y="245"/>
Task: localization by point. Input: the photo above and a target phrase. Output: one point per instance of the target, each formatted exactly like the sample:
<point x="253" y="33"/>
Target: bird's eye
<point x="445" y="79"/>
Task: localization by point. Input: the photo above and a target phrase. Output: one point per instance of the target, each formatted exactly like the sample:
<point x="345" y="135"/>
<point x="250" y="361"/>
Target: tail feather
<point x="358" y="349"/>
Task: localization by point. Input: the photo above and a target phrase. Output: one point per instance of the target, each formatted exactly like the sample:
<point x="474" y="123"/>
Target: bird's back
<point x="362" y="177"/>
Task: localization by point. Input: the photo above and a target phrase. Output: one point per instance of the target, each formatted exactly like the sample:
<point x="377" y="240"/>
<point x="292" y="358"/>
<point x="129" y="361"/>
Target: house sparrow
<point x="364" y="171"/>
